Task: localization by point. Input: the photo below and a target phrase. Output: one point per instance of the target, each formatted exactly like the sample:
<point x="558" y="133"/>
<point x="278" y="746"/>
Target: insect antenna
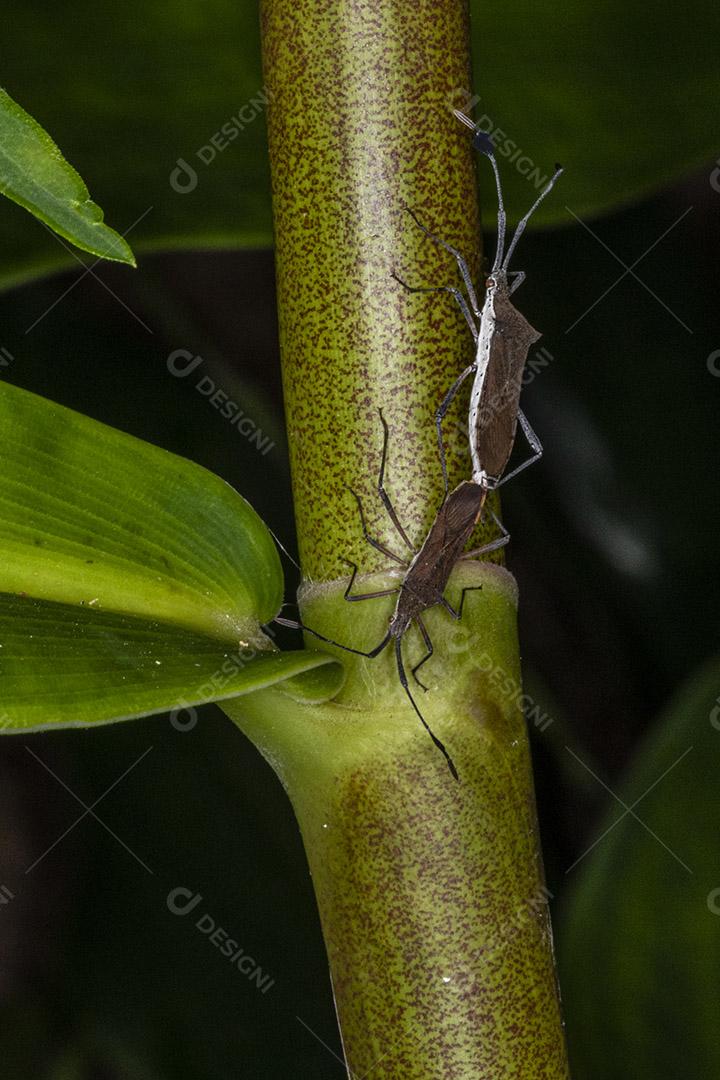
<point x="295" y="624"/>
<point x="283" y="548"/>
<point x="423" y="721"/>
<point x="523" y="222"/>
<point x="483" y="143"/>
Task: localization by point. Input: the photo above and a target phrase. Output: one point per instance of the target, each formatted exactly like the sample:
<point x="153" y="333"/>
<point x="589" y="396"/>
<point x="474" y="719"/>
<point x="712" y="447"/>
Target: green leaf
<point x="140" y="91"/>
<point x="34" y="174"/>
<point x="131" y="580"/>
<point x="640" y="944"/>
<point x="68" y="666"/>
<point x="561" y="87"/>
<point x="89" y="515"/>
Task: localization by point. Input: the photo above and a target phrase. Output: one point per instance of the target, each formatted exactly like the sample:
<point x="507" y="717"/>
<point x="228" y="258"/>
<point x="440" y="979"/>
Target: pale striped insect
<point x="503" y="338"/>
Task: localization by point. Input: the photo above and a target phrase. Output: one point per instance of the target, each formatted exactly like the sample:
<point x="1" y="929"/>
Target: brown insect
<point x="426" y="575"/>
<point x="502" y="337"/>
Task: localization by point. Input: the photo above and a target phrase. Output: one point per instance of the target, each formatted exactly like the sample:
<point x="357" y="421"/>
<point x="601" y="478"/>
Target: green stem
<point x="360" y="127"/>
<point x="430" y="891"/>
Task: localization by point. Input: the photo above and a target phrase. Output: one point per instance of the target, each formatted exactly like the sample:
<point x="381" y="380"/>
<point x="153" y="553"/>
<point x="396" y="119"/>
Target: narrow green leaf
<point x="68" y="666"/>
<point x="34" y="174"/>
<point x="91" y="516"/>
<point x="644" y="919"/>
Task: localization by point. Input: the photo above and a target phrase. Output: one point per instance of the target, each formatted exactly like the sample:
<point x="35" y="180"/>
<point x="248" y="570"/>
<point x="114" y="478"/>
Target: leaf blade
<point x="91" y="515"/>
<point x="68" y="666"/>
<point x="35" y="175"/>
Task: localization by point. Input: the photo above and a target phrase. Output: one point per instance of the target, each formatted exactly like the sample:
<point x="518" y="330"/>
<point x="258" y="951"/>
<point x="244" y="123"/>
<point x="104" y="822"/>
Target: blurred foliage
<point x="128" y="92"/>
<point x="614" y="545"/>
<point x="622" y="98"/>
<point x="123" y="976"/>
<point x="643" y="918"/>
<point x="625" y="100"/>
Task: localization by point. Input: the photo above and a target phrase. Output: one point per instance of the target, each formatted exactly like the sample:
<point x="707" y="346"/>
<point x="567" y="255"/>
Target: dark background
<point x="614" y="537"/>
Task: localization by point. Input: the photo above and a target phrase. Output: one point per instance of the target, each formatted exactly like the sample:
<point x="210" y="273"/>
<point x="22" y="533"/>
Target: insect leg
<point x="369" y="595"/>
<point x="440" y="416"/>
<point x="428" y="645"/>
<point x="535" y="445"/>
<point x="501" y="540"/>
<point x="462" y="302"/>
<point x="423" y="721"/>
<point x="383" y="493"/>
<point x="448" y="606"/>
<point x="372" y="542"/>
<point x="461" y="263"/>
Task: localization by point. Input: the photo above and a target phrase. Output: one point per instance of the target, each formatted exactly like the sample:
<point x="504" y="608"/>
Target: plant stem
<point x="360" y="127"/>
<point x="430" y="891"/>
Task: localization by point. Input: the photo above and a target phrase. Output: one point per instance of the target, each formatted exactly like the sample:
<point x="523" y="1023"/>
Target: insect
<point x="426" y="575"/>
<point x="502" y="338"/>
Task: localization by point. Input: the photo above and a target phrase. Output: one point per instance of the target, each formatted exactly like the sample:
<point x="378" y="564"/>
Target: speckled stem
<point x="360" y="126"/>
<point x="430" y="891"/>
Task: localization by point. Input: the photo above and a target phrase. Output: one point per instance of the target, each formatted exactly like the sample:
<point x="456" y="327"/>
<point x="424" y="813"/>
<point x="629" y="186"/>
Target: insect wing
<point x="497" y="409"/>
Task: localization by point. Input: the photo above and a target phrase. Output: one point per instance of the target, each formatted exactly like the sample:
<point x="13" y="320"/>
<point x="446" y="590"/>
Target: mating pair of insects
<point x="503" y="338"/>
